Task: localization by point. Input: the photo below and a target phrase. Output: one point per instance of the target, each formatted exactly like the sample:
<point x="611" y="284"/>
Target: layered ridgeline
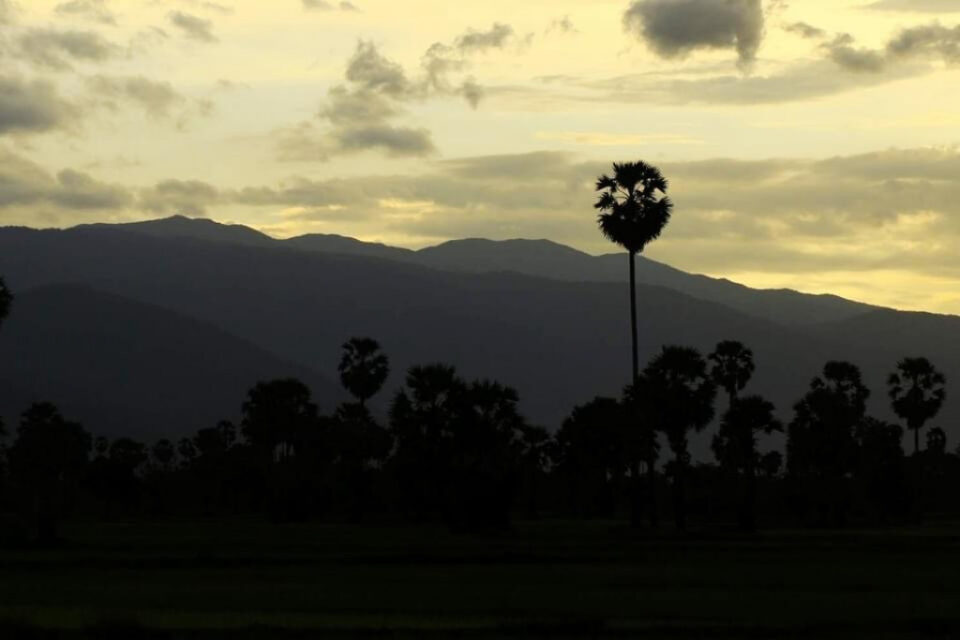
<point x="539" y="258"/>
<point x="544" y="318"/>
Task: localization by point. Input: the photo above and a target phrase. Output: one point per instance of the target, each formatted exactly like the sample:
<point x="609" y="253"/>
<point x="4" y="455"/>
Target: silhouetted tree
<point x="363" y="368"/>
<point x="485" y="454"/>
<point x="276" y="414"/>
<point x="6" y="300"/>
<point x="770" y="464"/>
<point x="422" y="415"/>
<point x="459" y="447"/>
<point x="358" y="447"/>
<point x="678" y="378"/>
<point x="821" y="444"/>
<point x="162" y="454"/>
<point x="634" y="209"/>
<point x="213" y="443"/>
<point x="731" y="368"/>
<point x="735" y="446"/>
<point x="210" y="463"/>
<point x="47" y="459"/>
<point x="591" y="457"/>
<point x="187" y="451"/>
<point x="538" y="451"/>
<point x="917" y="392"/>
<point x="879" y="471"/>
<point x="937" y="441"/>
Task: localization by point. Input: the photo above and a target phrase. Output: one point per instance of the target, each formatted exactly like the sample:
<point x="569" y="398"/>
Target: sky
<point x="809" y="144"/>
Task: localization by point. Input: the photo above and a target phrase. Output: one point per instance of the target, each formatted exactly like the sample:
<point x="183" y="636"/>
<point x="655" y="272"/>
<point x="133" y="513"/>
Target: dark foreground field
<point x="544" y="579"/>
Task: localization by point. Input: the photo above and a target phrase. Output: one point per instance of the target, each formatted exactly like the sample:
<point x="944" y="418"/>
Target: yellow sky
<point x="818" y="157"/>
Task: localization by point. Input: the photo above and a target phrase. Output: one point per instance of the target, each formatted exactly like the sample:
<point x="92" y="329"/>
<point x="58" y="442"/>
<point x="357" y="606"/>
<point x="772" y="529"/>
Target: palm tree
<point x="363" y="368"/>
<point x="634" y="209"/>
<point x="684" y="393"/>
<point x="917" y="392"/>
<point x="732" y="367"/>
<point x="821" y="438"/>
<point x="736" y="446"/>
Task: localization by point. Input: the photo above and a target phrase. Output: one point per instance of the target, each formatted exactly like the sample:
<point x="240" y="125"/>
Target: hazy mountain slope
<point x="558" y="342"/>
<point x="124" y="367"/>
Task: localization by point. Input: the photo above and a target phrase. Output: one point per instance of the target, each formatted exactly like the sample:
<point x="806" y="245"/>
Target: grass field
<point x="543" y="579"/>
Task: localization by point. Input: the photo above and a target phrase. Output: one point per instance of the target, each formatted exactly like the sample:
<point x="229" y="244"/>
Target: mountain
<point x="539" y="258"/>
<point x="558" y="342"/>
<point x="196" y="228"/>
<point x="125" y="367"/>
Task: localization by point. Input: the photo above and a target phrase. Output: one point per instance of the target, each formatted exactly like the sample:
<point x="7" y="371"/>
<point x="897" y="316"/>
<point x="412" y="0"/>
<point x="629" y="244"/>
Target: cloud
<point x="369" y="70"/>
<point x="157" y="99"/>
<point x="395" y="141"/>
<point x="494" y="38"/>
<point x="193" y="27"/>
<point x="360" y="114"/>
<point x="32" y="106"/>
<point x="860" y="60"/>
<point x="562" y="25"/>
<point x="308" y="143"/>
<point x="926" y="42"/>
<point x="23" y="182"/>
<point x="187" y="197"/>
<point x="805" y="30"/>
<point x="676" y="28"/>
<point x="917" y="6"/>
<point x="800" y="81"/>
<point x="94" y="10"/>
<point x="55" y="49"/>
<point x="323" y="5"/>
<point x="441" y="60"/>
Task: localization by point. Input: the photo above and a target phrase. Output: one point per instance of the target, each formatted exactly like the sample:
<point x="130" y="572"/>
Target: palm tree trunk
<point x="635" y="359"/>
<point x="633" y="316"/>
<point x="916" y="441"/>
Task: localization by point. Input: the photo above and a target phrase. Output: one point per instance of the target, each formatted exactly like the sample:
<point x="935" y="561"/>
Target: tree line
<point x="459" y="452"/>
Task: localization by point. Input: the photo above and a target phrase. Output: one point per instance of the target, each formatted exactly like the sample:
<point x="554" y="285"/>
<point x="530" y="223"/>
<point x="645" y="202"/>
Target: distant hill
<point x="558" y="342"/>
<point x="125" y="367"/>
<point x="540" y="258"/>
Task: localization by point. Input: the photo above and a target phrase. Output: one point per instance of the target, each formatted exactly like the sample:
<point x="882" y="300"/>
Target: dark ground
<point x="543" y="579"/>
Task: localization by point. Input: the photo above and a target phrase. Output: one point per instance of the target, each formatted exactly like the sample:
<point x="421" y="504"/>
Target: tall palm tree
<point x="916" y="392"/>
<point x="732" y="367"/>
<point x="634" y="209"/>
<point x="363" y="368"/>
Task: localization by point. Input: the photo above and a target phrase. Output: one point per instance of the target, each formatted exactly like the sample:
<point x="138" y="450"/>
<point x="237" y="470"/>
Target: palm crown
<point x="633" y="205"/>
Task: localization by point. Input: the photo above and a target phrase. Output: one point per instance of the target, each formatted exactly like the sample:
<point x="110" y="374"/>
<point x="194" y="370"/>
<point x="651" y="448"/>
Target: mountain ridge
<point x="535" y="257"/>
